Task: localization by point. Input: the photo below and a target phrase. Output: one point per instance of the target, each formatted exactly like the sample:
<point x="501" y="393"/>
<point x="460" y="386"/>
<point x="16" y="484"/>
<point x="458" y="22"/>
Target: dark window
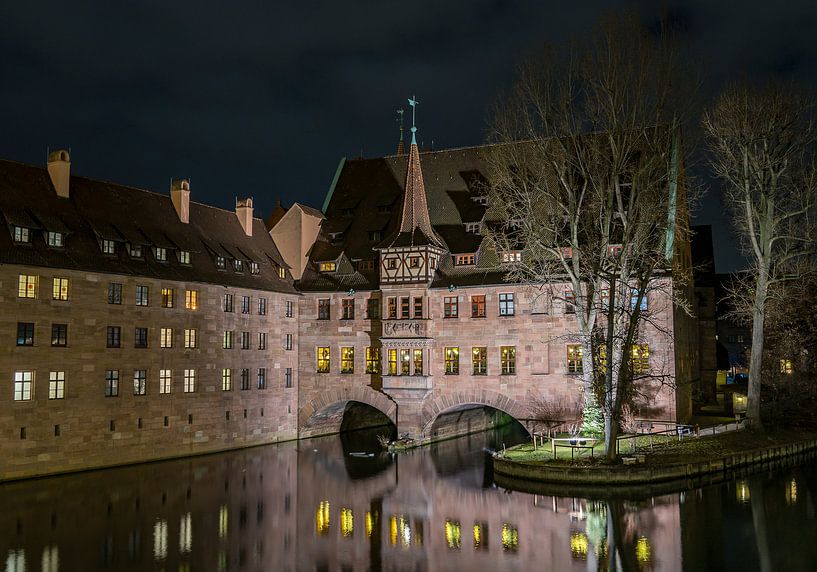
<point x="373" y="309"/>
<point x="478" y="306"/>
<point x="289" y="308"/>
<point x="262" y="378"/>
<point x="570" y="302"/>
<point x="25" y="334"/>
<point x="288" y="377"/>
<point x="418" y="308"/>
<point x="404" y="307"/>
<point x="244" y="340"/>
<point x="262" y="340"/>
<point x="228" y="302"/>
<point x="114" y="293"/>
<point x="262" y="306"/>
<point x="111" y="383"/>
<point x="245" y="379"/>
<point x="450" y="308"/>
<point x="142" y="295"/>
<point x="391" y="310"/>
<point x="323" y="309"/>
<point x="288" y="342"/>
<point x="348" y="306"/>
<point x="140" y="338"/>
<point x="114" y="336"/>
<point x="245" y="304"/>
<point x="59" y="335"/>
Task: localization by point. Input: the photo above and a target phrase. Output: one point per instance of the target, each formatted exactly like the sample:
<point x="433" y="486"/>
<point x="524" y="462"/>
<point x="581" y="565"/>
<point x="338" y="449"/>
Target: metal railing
<point x="648" y="439"/>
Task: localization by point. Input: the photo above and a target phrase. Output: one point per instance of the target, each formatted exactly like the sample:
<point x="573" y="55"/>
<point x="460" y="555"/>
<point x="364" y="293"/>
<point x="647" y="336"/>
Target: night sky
<point x="262" y="99"/>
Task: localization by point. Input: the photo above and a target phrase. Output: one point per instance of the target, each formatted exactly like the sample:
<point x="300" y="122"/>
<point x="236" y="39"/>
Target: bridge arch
<point x="447" y="401"/>
<point x="334" y="402"/>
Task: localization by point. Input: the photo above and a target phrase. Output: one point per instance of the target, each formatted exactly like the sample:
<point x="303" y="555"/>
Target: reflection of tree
<point x="621" y="539"/>
<point x="759" y="521"/>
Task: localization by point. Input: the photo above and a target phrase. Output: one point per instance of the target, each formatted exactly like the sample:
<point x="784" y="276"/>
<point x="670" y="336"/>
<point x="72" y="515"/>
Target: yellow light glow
<point x="578" y="545"/>
<point x="393" y="530"/>
<point x="791" y="492"/>
<point x="510" y="537"/>
<point x="369" y="524"/>
<point x="452" y="534"/>
<point x="223" y="521"/>
<point x="347" y="522"/>
<point x="742" y="492"/>
<point x="643" y="550"/>
<point x="322" y="518"/>
<point x="477" y="536"/>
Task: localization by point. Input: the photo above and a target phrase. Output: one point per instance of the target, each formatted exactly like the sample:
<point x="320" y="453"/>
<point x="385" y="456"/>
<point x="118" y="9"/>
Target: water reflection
<point x="341" y="504"/>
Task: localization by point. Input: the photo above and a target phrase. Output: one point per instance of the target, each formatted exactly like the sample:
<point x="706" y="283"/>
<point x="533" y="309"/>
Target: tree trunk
<point x="756" y="359"/>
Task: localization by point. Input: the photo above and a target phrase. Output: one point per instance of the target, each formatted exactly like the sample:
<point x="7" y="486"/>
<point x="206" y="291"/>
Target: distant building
<point x="703" y="265"/>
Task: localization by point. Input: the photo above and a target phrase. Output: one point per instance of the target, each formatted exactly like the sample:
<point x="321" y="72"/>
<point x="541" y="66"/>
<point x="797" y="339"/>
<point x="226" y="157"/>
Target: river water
<point x="338" y="503"/>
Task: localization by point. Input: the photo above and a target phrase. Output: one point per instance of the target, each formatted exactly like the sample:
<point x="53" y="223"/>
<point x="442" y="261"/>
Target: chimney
<point x="59" y="169"/>
<point x="243" y="210"/>
<point x="180" y="195"/>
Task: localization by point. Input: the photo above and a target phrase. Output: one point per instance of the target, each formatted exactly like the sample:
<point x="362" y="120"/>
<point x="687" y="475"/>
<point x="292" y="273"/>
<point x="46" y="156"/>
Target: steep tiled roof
<point x="98" y="209"/>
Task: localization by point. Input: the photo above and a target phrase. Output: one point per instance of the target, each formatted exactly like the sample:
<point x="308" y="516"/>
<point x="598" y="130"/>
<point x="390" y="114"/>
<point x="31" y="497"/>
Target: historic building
<point x="406" y="308"/>
<point x="136" y="325"/>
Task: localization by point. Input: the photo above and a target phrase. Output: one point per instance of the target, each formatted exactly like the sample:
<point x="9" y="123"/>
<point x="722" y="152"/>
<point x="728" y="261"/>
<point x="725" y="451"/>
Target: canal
<point x="338" y="503"/>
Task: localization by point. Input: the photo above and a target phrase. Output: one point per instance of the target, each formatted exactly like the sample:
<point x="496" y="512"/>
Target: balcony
<point x="422" y="382"/>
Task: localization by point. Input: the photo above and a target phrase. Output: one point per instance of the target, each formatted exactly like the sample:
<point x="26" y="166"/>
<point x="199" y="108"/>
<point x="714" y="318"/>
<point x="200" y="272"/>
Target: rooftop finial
<point x="413" y="103"/>
<point x="400" y="148"/>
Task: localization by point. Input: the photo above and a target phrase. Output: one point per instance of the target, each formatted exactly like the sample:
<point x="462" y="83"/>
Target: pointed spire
<point x="401" y="149"/>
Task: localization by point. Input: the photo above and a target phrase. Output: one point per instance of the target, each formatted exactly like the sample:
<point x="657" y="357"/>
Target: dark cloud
<point x="263" y="98"/>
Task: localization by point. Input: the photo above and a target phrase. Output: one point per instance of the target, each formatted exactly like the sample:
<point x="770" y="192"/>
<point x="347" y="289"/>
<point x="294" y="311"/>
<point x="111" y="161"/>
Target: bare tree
<point x="761" y="145"/>
<point x="586" y="183"/>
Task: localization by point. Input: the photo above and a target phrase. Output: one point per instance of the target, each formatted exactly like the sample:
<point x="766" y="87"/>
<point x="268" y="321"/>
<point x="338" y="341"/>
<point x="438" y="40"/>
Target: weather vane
<point x="413" y="103"/>
<point x="400" y="113"/>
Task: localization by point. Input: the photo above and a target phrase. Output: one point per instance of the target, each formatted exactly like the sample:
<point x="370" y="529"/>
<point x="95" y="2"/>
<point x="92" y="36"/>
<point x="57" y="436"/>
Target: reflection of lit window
<point x="347" y="522"/>
<point x="223" y="521"/>
<point x="452" y="533"/>
<point x="643" y="551"/>
<point x="742" y="492"/>
<point x="510" y="537"/>
<point x="185" y="533"/>
<point x="578" y="545"/>
<point x="369" y="524"/>
<point x="222" y="561"/>
<point x="16" y="560"/>
<point x="51" y="559"/>
<point x="322" y="517"/>
<point x="480" y="536"/>
<point x="785" y="366"/>
<point x="160" y="539"/>
<point x="400" y="531"/>
<point x="791" y="492"/>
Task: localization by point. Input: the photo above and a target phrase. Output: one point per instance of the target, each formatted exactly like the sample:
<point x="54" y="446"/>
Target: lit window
<point x="114" y="293"/>
<point x="578" y="545"/>
<point x="165" y="381"/>
<point x="506" y="305"/>
<point x="465" y="260"/>
<point x="322" y="518"/>
<point x="347" y="522"/>
<point x="60" y="289"/>
<point x="135" y="251"/>
<point x="574" y="358"/>
<point x="282" y="273"/>
<point x="25" y="334"/>
<point x="238" y="265"/>
<point x="111" y="383"/>
<point x="418" y="362"/>
<point x="405" y="362"/>
<point x="27" y="286"/>
<point x="22" y="234"/>
<point x="262" y="306"/>
<point x="189" y="380"/>
<point x="168" y="297"/>
<point x="327" y="266"/>
<point x="191" y="338"/>
<point x="255" y="268"/>
<point x="142" y="293"/>
<point x="140" y="382"/>
<point x="191" y="299"/>
<point x="23" y="385"/>
<point x="347" y="360"/>
<point x="221" y="263"/>
<point x="244" y="380"/>
<point x="160" y="253"/>
<point x="348" y="306"/>
<point x="228" y="303"/>
<point x="452" y="361"/>
<point x="452" y="534"/>
<point x="510" y="538"/>
<point x="108" y="246"/>
<point x="785" y="366"/>
<point x="478" y="306"/>
<point x="226" y="379"/>
<point x="450" y="309"/>
<point x="166" y="338"/>
<point x="479" y="360"/>
<point x="507" y="357"/>
<point x="59" y="335"/>
<point x="480" y="536"/>
<point x="372" y="360"/>
<point x="323" y="309"/>
<point x="323" y="359"/>
<point x="55" y="239"/>
<point x="262" y="378"/>
<point x="184" y="257"/>
<point x="392" y="362"/>
<point x="640" y="358"/>
<point x="56" y="385"/>
<point x="227" y="341"/>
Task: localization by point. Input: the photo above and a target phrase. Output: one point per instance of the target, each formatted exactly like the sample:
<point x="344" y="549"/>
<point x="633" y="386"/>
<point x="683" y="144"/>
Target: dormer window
<point x="365" y="264"/>
<point x="480" y="200"/>
<point x="55" y="239"/>
<point x="473" y="227"/>
<point x="375" y="235"/>
<point x="336" y="237"/>
<point x="108" y="246"/>
<point x="347" y="212"/>
<point x="465" y="259"/>
<point x="512" y="256"/>
<point x="238" y="265"/>
<point x="384" y="209"/>
<point x="184" y="257"/>
<point x="160" y="253"/>
<point x="22" y="234"/>
<point x="327" y="266"/>
<point x="282" y="273"/>
<point x="135" y="251"/>
<point x="255" y="268"/>
<point x="221" y="263"/>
